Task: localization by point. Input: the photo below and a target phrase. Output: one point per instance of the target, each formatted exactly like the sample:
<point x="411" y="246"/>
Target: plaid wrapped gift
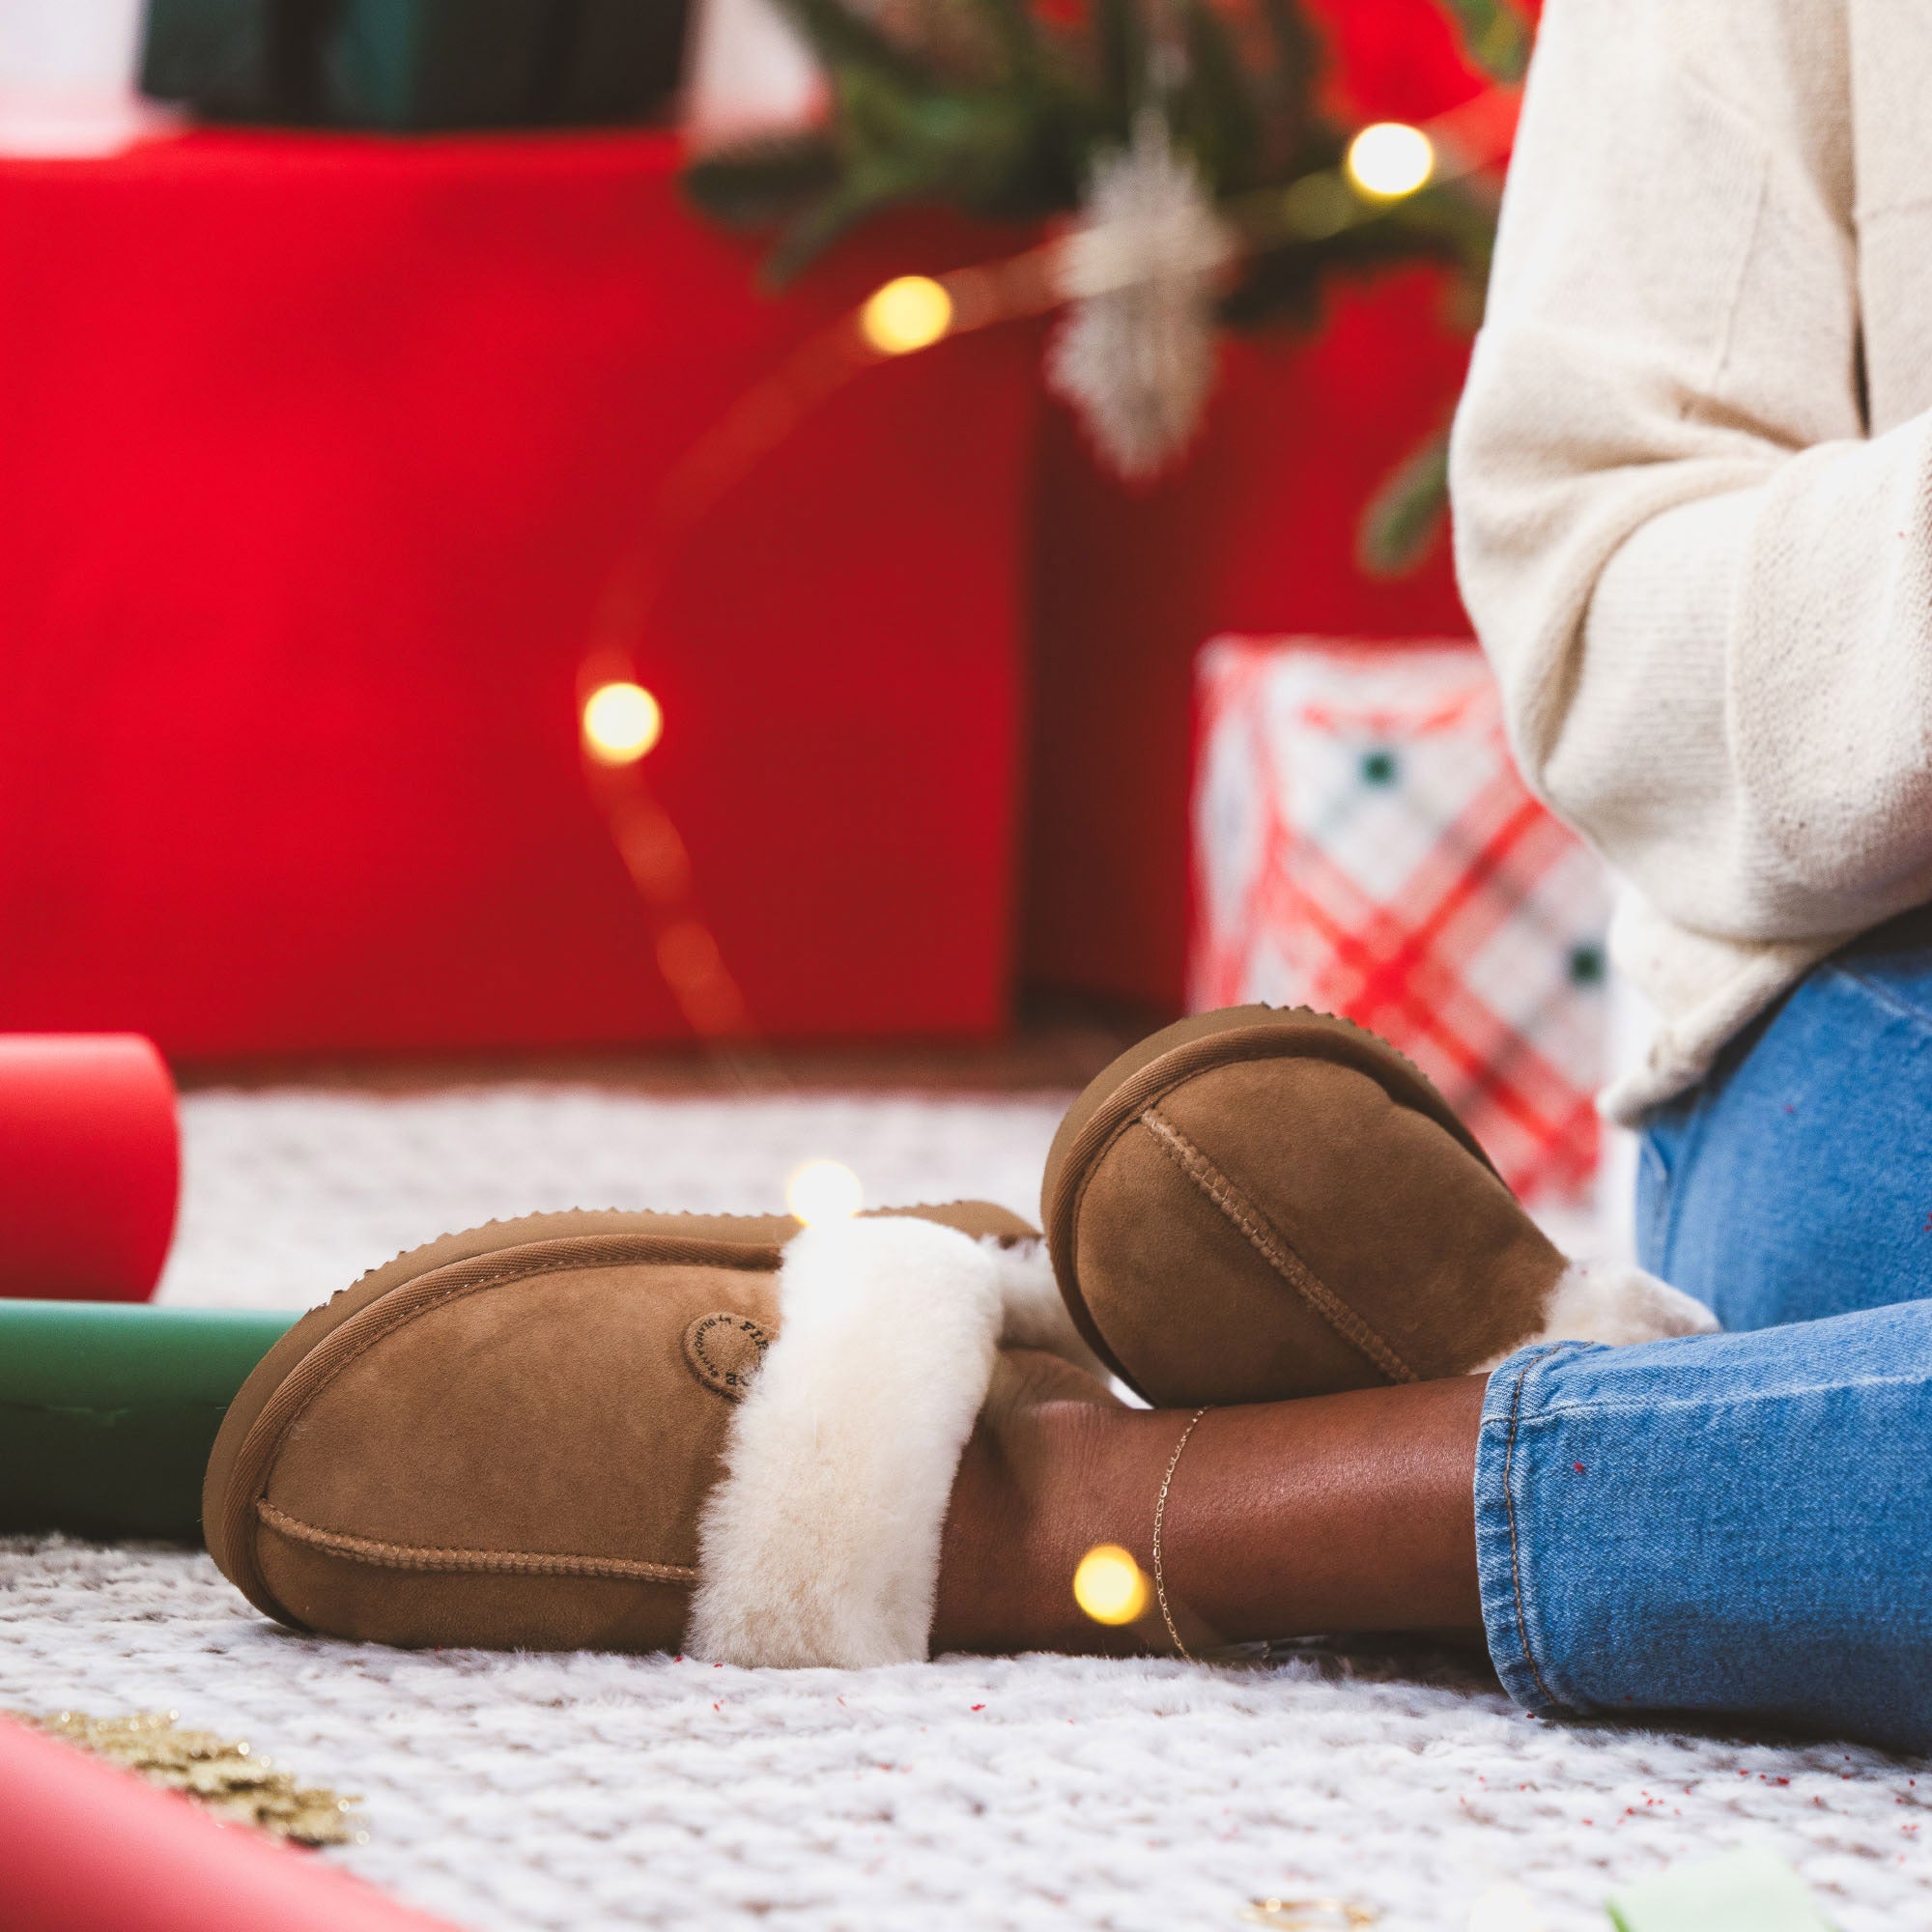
<point x="1364" y="846"/>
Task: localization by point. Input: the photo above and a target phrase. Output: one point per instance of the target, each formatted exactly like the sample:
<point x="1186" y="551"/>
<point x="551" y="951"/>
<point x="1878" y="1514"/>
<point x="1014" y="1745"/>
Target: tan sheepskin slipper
<point x="630" y="1431"/>
<point x="1258" y="1204"/>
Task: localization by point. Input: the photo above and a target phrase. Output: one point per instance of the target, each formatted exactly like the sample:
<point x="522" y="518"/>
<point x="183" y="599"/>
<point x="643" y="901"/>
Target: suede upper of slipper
<point x="562" y="1433"/>
<point x="1255" y="1205"/>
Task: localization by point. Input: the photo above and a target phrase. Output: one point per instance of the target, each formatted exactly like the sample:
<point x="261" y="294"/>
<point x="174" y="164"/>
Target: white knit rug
<point x="589" y="1791"/>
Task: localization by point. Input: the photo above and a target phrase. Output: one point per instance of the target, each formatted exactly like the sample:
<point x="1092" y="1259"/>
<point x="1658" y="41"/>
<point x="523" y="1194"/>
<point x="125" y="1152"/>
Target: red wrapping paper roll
<point x="90" y="1166"/>
<point x="85" y="1848"/>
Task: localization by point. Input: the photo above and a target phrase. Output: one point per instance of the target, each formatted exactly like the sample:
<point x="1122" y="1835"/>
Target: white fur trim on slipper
<point x="1600" y="1301"/>
<point x="1035" y="1312"/>
<point x="820" y="1545"/>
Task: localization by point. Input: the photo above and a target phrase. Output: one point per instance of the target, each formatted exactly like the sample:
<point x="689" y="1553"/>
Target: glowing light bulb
<point x="1390" y="159"/>
<point x="1505" y="1908"/>
<point x="621" y="722"/>
<point x="822" y="1191"/>
<point x="1110" y="1586"/>
<point x="910" y="313"/>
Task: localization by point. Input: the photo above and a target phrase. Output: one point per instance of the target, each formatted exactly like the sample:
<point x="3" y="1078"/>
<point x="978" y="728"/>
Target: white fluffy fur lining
<point x="1597" y="1301"/>
<point x="1036" y="1315"/>
<point x="820" y="1545"/>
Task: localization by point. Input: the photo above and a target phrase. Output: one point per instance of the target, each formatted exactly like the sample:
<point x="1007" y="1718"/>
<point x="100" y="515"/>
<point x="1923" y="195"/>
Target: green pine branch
<point x="760" y="182"/>
<point x="1011" y="133"/>
<point x="1407" y="513"/>
<point x="1496" y="35"/>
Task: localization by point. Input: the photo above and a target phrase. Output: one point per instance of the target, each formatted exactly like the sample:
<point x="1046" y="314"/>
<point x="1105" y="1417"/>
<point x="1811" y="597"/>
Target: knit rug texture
<point x="585" y="1791"/>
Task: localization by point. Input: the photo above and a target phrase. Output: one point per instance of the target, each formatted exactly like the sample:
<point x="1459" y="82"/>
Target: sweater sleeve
<point x="1706" y="591"/>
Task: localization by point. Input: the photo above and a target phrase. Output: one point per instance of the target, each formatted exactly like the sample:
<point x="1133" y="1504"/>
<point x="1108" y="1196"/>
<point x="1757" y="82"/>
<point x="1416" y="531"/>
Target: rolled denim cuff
<point x="1509" y="1452"/>
<point x="1716" y="1522"/>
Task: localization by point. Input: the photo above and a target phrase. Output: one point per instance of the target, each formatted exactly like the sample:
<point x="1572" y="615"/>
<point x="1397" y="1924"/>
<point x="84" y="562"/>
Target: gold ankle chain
<point x="1159" y="1519"/>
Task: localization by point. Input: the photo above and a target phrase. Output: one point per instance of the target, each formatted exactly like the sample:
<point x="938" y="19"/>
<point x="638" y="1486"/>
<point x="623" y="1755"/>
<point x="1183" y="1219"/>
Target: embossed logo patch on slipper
<point x="725" y="1352"/>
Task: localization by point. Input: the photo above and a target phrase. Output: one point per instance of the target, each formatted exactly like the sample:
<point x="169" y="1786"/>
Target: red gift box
<point x="1255" y="531"/>
<point x="315" y="458"/>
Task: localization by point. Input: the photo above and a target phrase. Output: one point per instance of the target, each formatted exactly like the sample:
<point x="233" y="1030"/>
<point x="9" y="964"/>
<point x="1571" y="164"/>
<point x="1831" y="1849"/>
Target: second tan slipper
<point x="1258" y="1204"/>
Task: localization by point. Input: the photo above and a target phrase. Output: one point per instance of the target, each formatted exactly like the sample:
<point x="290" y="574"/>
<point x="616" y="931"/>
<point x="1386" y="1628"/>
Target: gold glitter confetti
<point x="225" y="1777"/>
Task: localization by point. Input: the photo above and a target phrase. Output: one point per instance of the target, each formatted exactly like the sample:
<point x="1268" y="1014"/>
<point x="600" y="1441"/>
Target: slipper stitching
<point x="481" y="1562"/>
<point x="1268" y="1241"/>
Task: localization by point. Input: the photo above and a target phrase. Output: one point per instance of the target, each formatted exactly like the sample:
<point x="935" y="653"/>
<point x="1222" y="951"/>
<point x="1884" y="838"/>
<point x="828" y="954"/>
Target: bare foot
<point x="1056" y="1466"/>
<point x="1334" y="1513"/>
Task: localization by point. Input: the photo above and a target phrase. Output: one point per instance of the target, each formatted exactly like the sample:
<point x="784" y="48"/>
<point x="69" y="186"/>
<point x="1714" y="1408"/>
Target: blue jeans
<point x="1743" y="1522"/>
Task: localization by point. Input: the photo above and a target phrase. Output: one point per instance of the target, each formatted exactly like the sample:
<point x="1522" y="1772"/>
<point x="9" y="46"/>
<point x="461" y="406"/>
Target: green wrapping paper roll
<point x="108" y="1410"/>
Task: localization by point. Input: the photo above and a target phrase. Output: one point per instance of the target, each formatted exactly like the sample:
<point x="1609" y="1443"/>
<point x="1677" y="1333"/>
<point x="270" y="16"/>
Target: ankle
<point x="1343" y="1513"/>
<point x="1045" y="1482"/>
<point x="1103" y="1495"/>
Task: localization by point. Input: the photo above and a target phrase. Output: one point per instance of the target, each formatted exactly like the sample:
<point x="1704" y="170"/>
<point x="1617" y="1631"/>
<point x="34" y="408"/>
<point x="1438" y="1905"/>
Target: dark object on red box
<point x="89" y="1848"/>
<point x="415" y="65"/>
<point x="90" y="1167"/>
<point x="442" y="63"/>
<point x="623" y="60"/>
<point x="319" y="452"/>
<point x="240" y="60"/>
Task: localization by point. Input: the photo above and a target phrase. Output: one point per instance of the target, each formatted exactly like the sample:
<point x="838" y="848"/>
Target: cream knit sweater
<point x="1693" y="481"/>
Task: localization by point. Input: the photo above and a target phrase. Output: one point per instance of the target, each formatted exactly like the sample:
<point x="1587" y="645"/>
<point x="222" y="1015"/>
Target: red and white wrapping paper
<point x="1364" y="846"/>
<point x="88" y="1848"/>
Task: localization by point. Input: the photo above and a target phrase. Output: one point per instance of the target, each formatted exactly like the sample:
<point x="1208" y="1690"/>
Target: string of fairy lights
<point x="621" y="723"/>
<point x="622" y="720"/>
